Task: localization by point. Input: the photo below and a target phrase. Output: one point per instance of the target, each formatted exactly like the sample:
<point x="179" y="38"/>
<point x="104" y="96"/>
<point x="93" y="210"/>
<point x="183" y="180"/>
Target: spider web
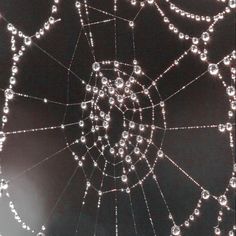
<point x="126" y="132"/>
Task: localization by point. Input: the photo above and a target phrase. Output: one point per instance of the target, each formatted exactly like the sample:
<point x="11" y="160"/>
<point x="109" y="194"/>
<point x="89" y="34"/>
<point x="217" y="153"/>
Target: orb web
<point x="118" y="137"/>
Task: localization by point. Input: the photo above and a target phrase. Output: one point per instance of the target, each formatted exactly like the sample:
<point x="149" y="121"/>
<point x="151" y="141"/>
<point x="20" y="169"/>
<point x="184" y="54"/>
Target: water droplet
<point x="232" y="3"/>
<point x="231" y="90"/>
<point x="124" y="178"/>
<point x="9" y="94"/>
<point x="128" y="158"/>
<point x="27" y="41"/>
<point x="2" y="137"/>
<point x="205" y="194"/>
<point x="96" y="66"/>
<point x="119" y="82"/>
<point x="205" y="36"/>
<point x="213" y="69"/>
<point x="221" y="127"/>
<point x="137" y="70"/>
<point x="232" y="182"/>
<point x="222" y="200"/>
<point x="175" y="230"/>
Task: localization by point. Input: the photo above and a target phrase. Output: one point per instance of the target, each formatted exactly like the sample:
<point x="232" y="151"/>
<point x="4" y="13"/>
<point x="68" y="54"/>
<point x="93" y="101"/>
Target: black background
<point x="203" y="153"/>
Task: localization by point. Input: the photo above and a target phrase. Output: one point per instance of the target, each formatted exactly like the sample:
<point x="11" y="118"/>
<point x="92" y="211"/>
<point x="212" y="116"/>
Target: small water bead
<point x="223" y="200"/>
<point x="119" y="82"/>
<point x="3" y="184"/>
<point x="120" y="99"/>
<point x="230" y="114"/>
<point x="221" y="128"/>
<point x="4" y="119"/>
<point x="111" y="100"/>
<point x="131" y="124"/>
<point x="112" y="150"/>
<point x="191" y="217"/>
<point x="77" y="4"/>
<point x="83" y="139"/>
<point x="181" y="35"/>
<point x="10" y="27"/>
<point x="203" y="56"/>
<point x="213" y="69"/>
<point x="27" y="41"/>
<point x="111" y="90"/>
<point x="132" y="79"/>
<point x="195" y="40"/>
<point x="37" y="35"/>
<point x="233" y="54"/>
<point x="139" y="139"/>
<point x="128" y="159"/>
<point x="51" y="20"/>
<point x="232" y="3"/>
<point x="95" y="89"/>
<point x="231" y="90"/>
<point x="12" y="80"/>
<point x="229" y="126"/>
<point x="2" y="137"/>
<point x="186" y="223"/>
<point x="131" y="24"/>
<point x="104" y="80"/>
<point x="175" y="230"/>
<point x="226" y="61"/>
<point x="81" y="123"/>
<point x="141" y="127"/>
<point x="231" y="233"/>
<point x="133" y="96"/>
<point x="105" y="124"/>
<point x="96" y="66"/>
<point x="14" y="69"/>
<point x="137" y="70"/>
<point x="217" y="231"/>
<point x="16" y="57"/>
<point x="197" y="212"/>
<point x="107" y="117"/>
<point x="9" y="94"/>
<point x="116" y="64"/>
<point x="125" y="134"/>
<point x="205" y="36"/>
<point x="83" y="105"/>
<point x="88" y="87"/>
<point x="194" y="48"/>
<point x="124" y="178"/>
<point x="41" y="31"/>
<point x="122" y="142"/>
<point x="136" y="150"/>
<point x="46" y="26"/>
<point x="233" y="105"/>
<point x="6" y="110"/>
<point x="205" y="194"/>
<point x="121" y="151"/>
<point x="232" y="182"/>
<point x="160" y="153"/>
<point x="88" y="184"/>
<point x="40" y="234"/>
<point x="150" y="1"/>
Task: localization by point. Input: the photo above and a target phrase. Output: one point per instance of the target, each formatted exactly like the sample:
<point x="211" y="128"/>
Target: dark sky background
<point x="203" y="153"/>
